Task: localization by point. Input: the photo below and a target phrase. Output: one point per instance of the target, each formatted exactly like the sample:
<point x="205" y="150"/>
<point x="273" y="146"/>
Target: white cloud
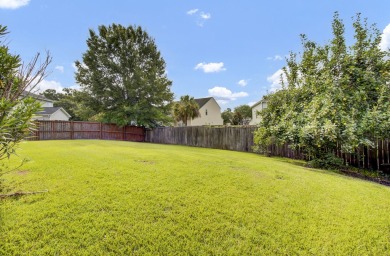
<point x="49" y="84"/>
<point x="199" y="16"/>
<point x="192" y="12"/>
<point x="222" y="102"/>
<point x="75" y="86"/>
<point x="210" y="67"/>
<point x="60" y="68"/>
<point x="275" y="58"/>
<point x="205" y="16"/>
<point x="274" y="79"/>
<point x="224" y="95"/>
<point x="242" y="82"/>
<point x="13" y="4"/>
<point x="385" y="42"/>
<point x="250" y="104"/>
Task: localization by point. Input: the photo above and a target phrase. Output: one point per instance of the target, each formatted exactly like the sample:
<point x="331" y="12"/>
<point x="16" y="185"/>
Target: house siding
<point x="213" y="116"/>
<point x="46" y="104"/>
<point x="59" y="115"/>
<point x="256" y="118"/>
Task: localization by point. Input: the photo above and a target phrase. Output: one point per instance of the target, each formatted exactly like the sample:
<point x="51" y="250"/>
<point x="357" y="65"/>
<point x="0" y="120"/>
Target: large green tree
<point x="242" y="115"/>
<point x="16" y="106"/>
<point x="124" y="75"/>
<point x="333" y="97"/>
<point x="185" y="109"/>
<point x="227" y="116"/>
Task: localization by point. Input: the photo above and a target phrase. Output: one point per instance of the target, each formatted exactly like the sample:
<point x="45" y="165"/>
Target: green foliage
<point x="326" y="161"/>
<point x="186" y="109"/>
<point x="72" y="101"/>
<point x="16" y="107"/>
<point x="227" y="116"/>
<point x="123" y="74"/>
<point x="153" y="199"/>
<point x="332" y="96"/>
<point x="242" y="115"/>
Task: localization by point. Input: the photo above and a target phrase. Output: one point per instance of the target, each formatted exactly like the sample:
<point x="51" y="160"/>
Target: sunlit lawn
<point x="123" y="198"/>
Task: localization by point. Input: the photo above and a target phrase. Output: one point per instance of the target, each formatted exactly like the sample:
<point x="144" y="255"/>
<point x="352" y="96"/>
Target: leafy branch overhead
<point x="16" y="106"/>
<point x="333" y="95"/>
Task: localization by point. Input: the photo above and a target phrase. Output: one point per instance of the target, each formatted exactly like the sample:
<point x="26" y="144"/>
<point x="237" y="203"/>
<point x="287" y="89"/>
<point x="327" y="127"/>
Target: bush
<point x="326" y="161"/>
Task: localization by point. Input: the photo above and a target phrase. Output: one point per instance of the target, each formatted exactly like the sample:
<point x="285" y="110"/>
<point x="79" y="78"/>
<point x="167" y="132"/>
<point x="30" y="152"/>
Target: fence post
<point x="101" y="131"/>
<point x="71" y="130"/>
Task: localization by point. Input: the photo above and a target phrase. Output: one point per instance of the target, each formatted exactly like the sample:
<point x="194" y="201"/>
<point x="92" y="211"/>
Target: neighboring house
<point x="48" y="112"/>
<point x="210" y="113"/>
<point x="256" y="109"/>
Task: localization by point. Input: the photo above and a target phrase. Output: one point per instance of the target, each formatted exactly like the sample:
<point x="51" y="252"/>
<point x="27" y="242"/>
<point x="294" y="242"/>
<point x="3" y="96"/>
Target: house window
<point x="206" y="112"/>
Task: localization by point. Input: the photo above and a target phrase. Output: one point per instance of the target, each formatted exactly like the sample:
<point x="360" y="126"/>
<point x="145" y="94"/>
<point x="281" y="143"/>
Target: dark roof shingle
<point x="48" y="110"/>
<point x="202" y="101"/>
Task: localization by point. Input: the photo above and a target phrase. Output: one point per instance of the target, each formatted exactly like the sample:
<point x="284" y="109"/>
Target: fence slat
<point x="69" y="130"/>
<point x="241" y="139"/>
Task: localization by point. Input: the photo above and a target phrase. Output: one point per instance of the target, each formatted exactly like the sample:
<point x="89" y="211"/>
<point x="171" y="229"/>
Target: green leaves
<point x="124" y="76"/>
<point x="16" y="107"/>
<point x="335" y="95"/>
<point x="186" y="109"/>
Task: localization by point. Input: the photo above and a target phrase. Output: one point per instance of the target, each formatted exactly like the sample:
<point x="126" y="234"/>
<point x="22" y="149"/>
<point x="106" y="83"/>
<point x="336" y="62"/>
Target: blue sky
<point x="232" y="50"/>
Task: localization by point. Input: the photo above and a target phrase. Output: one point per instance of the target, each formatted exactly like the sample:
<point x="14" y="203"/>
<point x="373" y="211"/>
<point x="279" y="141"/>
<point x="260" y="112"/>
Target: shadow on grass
<point x="297" y="162"/>
<point x="345" y="172"/>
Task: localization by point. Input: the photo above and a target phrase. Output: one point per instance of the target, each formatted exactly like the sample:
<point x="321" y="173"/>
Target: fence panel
<point x="69" y="130"/>
<point x="231" y="138"/>
<point x="241" y="139"/>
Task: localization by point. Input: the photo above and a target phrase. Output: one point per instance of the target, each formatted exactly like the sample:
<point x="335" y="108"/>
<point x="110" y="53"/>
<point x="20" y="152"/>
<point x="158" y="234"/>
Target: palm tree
<point x="185" y="109"/>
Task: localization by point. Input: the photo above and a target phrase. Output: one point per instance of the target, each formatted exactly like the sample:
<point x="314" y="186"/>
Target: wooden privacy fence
<point x="227" y="137"/>
<point x="231" y="138"/>
<point x="241" y="139"/>
<point x="71" y="130"/>
<point x="377" y="158"/>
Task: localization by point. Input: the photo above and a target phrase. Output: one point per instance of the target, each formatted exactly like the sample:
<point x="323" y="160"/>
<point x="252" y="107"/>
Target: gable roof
<point x="202" y="101"/>
<point x="52" y="110"/>
<point x="258" y="103"/>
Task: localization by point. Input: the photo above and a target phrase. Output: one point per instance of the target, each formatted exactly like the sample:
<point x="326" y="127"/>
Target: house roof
<point x="202" y="101"/>
<point x="36" y="96"/>
<point x="52" y="110"/>
<point x="258" y="103"/>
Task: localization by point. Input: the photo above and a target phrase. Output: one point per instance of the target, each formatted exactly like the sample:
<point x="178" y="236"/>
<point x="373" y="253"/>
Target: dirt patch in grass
<point x="145" y="161"/>
<point x="22" y="172"/>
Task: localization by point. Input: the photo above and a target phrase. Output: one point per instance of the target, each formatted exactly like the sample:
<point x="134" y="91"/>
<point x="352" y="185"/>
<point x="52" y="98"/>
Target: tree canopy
<point x="242" y="115"/>
<point x="227" y="116"/>
<point x="332" y="96"/>
<point x="124" y="76"/>
<point x="186" y="108"/>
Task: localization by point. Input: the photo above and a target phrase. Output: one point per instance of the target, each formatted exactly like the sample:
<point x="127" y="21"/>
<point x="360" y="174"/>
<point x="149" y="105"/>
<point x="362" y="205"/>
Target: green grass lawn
<point x="123" y="198"/>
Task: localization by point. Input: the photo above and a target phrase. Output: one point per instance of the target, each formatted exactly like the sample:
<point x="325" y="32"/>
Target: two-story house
<point x="210" y="113"/>
<point x="48" y="112"/>
<point x="256" y="109"/>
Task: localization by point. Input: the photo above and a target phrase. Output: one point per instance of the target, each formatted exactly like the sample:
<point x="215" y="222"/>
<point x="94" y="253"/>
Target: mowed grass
<point x="123" y="198"/>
